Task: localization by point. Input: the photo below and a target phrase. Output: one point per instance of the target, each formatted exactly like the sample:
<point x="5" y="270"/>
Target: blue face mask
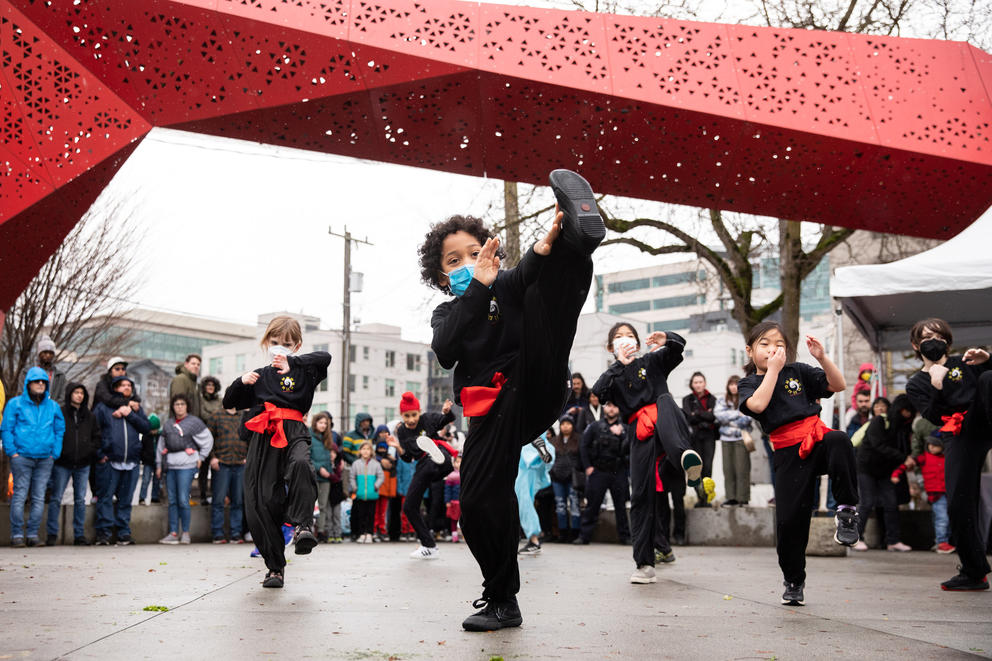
<point x="459" y="278"/>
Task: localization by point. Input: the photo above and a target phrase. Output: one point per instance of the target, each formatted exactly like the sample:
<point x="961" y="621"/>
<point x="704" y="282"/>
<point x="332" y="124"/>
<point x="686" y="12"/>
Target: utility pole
<point x="346" y="322"/>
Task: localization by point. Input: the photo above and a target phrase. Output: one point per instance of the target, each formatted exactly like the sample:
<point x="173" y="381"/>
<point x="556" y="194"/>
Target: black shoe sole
<point x="272" y="582"/>
<point x="793" y="603"/>
<point x="490" y="625"/>
<point x="305" y="544"/>
<point x="582" y="226"/>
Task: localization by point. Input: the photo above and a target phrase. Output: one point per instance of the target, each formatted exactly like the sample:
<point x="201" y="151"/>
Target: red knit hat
<point x="409" y="402"/>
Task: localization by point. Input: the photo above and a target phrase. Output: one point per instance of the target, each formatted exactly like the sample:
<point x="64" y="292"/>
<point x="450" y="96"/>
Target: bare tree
<point x="76" y="298"/>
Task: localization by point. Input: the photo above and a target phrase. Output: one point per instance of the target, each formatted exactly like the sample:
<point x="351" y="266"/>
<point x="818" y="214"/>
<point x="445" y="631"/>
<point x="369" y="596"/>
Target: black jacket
<point x="887" y="440"/>
<point x="82" y="432"/>
<point x="702" y="421"/>
<point x="960" y="387"/>
<point x="105" y="394"/>
<point x="604" y="450"/>
<point x="634" y="386"/>
<point x="479" y="332"/>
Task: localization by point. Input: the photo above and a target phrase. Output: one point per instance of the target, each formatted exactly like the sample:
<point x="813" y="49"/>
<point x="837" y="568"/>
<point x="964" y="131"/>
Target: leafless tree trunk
<point x="511" y="219"/>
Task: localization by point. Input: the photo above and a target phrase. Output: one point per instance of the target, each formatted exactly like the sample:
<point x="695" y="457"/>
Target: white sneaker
<point x="146" y="501"/>
<point x="171" y="538"/>
<point x="184" y="539"/>
<point x="425" y="553"/>
<point x="899" y="547"/>
<point x="643" y="574"/>
<point x="366" y="539"/>
<point x="860" y="546"/>
<point x="430" y="447"/>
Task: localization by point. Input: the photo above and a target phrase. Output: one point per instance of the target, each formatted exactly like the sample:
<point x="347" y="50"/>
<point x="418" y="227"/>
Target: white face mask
<point x="621" y="343"/>
<point x="278" y="350"/>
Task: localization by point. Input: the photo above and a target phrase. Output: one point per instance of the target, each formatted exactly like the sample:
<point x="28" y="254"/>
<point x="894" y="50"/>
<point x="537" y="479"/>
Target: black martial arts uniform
<point x="966" y="390"/>
<point x="641" y="384"/>
<point x="280" y="486"/>
<point x="522" y="327"/>
<point x="427" y="472"/>
<point x="796" y="397"/>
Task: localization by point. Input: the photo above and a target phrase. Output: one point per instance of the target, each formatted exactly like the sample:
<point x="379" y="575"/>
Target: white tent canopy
<point x="952" y="281"/>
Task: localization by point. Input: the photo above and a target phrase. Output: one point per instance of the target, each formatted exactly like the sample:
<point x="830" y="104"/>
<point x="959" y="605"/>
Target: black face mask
<point x="933" y="349"/>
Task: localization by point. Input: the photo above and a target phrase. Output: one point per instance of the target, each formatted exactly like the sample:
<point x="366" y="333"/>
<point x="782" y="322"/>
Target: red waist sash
<point x="270" y="421"/>
<point x="477" y="400"/>
<point x="805" y="433"/>
<point x="952" y="423"/>
<point x="647" y="420"/>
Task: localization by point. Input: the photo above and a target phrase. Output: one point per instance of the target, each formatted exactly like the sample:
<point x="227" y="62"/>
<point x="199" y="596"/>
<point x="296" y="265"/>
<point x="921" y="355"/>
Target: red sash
<point x="270" y="421"/>
<point x="952" y="423"/>
<point x="477" y="400"/>
<point x="805" y="433"/>
<point x="647" y="420"/>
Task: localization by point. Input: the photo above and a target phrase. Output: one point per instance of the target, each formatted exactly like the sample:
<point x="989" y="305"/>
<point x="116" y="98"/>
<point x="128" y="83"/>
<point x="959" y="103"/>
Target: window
<point x="216" y="365"/>
<point x="414" y="387"/>
<point x="628" y="285"/>
<point x="626" y="308"/>
<point x="239" y="363"/>
<point x="677" y="301"/>
<point x="413" y="362"/>
<point x="351" y="353"/>
<point x="351" y="383"/>
<point x="671" y="325"/>
<point x="320" y="347"/>
<point x="365" y="353"/>
<point x="365" y="383"/>
<point x="390" y="414"/>
<point x="352" y="411"/>
<point x="390" y="359"/>
<point x="676" y="278"/>
<point x="390" y="387"/>
<point x="323" y="386"/>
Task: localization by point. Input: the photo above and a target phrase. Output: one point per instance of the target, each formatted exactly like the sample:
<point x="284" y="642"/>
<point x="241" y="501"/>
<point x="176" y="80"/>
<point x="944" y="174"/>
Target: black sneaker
<point x="80" y="541"/>
<point x="678" y="539"/>
<point x="124" y="540"/>
<point x="494" y="615"/>
<point x="17" y="542"/>
<point x="579" y="541"/>
<point x="31" y="542"/>
<point x="273" y="579"/>
<point x="303" y="540"/>
<point x="103" y="541"/>
<point x="51" y="540"/>
<point x="793" y="595"/>
<point x="530" y="549"/>
<point x="965" y="583"/>
<point x="661" y="557"/>
<point x="542" y="449"/>
<point x="847" y="526"/>
<point x="582" y="226"/>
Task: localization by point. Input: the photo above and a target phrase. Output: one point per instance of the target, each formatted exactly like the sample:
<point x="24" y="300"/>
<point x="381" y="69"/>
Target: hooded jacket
<point x="860" y="385"/>
<point x="121" y="437"/>
<point x="82" y="432"/>
<point x="185" y="382"/>
<point x="353" y="439"/>
<point x="33" y="429"/>
<point x="320" y="457"/>
<point x="209" y="404"/>
<point x="104" y="393"/>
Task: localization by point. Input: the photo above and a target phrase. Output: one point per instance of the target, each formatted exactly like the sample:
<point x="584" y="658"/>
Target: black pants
<point x="706" y="447"/>
<point x="671" y="438"/>
<point x="675" y="487"/>
<point x="596" y="486"/>
<point x="964" y="458"/>
<point x="202" y="479"/>
<point x="280" y="487"/>
<point x="362" y="516"/>
<point x="795" y="481"/>
<point x="425" y="475"/>
<point x="878" y="492"/>
<point x="528" y="404"/>
<point x="393" y="518"/>
<point x="437" y="515"/>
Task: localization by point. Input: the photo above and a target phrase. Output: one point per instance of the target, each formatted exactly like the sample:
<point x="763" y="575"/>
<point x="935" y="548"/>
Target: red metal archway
<point x="879" y="133"/>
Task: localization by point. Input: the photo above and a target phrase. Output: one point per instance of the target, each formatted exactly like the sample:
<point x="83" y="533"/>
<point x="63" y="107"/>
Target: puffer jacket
<point x="33" y="429"/>
<point x="732" y="422"/>
<point x="121" y="437"/>
<point x="366" y="478"/>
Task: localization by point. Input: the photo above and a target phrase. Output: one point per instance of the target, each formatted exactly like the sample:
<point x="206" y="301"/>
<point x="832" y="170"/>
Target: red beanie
<point x="409" y="402"/>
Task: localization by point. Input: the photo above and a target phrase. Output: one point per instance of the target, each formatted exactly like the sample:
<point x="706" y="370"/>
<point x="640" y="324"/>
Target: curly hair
<point x="430" y="249"/>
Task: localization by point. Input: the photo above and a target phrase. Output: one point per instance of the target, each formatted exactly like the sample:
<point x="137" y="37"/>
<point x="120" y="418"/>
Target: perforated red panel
<point x="881" y="133"/>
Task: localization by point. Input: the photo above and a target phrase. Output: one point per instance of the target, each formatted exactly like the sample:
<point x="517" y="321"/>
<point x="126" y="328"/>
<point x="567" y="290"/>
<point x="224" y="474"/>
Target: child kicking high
<point x="280" y="485"/>
<point x="638" y="385"/>
<point x="508" y="335"/>
<point x="784" y="398"/>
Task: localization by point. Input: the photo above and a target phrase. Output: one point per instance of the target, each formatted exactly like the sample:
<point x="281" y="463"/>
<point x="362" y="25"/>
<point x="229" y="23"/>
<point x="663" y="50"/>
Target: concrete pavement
<point x="355" y="601"/>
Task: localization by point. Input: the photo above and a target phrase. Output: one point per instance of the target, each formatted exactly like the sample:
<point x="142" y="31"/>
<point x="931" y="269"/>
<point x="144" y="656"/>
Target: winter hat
<point x="154" y="422"/>
<point x="935" y="439"/>
<point x="46" y="344"/>
<point x="566" y="418"/>
<point x="114" y="361"/>
<point x="409" y="402"/>
<point x="122" y="378"/>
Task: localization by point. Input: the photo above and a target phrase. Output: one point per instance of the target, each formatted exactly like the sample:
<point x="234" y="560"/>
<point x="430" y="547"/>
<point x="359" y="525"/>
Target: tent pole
<point x="839" y="337"/>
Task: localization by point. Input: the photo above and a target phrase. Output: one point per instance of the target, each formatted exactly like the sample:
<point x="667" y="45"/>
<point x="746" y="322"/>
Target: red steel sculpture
<point x="879" y="133"/>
